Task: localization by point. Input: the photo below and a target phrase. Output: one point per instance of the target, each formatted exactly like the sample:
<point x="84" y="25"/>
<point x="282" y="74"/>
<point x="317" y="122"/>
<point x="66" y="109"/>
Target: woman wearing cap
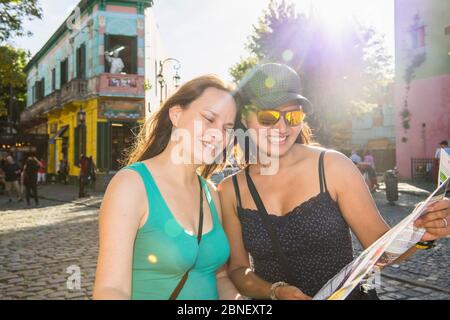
<point x="160" y="223"/>
<point x="294" y="224"/>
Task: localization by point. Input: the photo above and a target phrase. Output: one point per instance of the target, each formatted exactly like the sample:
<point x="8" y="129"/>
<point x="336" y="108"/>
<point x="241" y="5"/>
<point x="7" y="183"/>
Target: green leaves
<point x="12" y="15"/>
<point x="12" y="79"/>
<point x="344" y="72"/>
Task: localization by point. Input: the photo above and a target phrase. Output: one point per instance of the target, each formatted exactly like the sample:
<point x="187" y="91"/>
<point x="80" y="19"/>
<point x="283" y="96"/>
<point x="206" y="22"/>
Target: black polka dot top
<point x="314" y="237"/>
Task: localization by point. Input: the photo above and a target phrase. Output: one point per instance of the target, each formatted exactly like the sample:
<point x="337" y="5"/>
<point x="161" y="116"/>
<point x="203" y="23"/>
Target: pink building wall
<point x="429" y="104"/>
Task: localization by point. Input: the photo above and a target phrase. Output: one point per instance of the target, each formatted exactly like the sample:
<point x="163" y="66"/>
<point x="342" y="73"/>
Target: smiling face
<point x="205" y="124"/>
<point x="275" y="140"/>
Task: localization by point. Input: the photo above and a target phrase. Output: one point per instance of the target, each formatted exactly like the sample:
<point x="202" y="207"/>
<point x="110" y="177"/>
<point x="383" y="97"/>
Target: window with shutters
<point x="64" y="74"/>
<point x="53" y="79"/>
<point x="79" y="143"/>
<point x="81" y="62"/>
<point x="76" y="153"/>
<point x="39" y="90"/>
<point x="103" y="145"/>
<point x="33" y="93"/>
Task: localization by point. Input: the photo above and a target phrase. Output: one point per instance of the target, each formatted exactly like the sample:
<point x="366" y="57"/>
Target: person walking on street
<point x="63" y="171"/>
<point x="370" y="161"/>
<point x="30" y="178"/>
<point x="355" y="157"/>
<point x="12" y="174"/>
<point x="2" y="174"/>
<point x="42" y="171"/>
<point x="84" y="174"/>
<point x="437" y="158"/>
<point x="91" y="172"/>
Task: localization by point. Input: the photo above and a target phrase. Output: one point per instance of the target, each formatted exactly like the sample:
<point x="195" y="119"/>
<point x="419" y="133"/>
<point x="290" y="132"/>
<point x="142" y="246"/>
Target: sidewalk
<point x="419" y="189"/>
<point x="51" y="192"/>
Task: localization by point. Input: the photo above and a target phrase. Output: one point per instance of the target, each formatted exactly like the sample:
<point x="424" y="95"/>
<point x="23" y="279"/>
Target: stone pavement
<point x="425" y="275"/>
<point x="41" y="249"/>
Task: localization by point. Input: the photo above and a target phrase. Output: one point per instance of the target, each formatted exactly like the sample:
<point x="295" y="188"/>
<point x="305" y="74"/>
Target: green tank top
<point x="164" y="250"/>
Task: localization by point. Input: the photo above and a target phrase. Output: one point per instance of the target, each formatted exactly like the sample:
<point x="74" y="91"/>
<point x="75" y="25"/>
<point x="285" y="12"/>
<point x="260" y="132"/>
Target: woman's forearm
<point x="110" y="294"/>
<point x="249" y="284"/>
<point x="405" y="256"/>
<point x="226" y="289"/>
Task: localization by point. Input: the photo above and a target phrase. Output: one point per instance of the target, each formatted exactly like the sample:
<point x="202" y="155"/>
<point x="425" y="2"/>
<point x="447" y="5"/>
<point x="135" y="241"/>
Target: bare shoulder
<point x="341" y="173"/>
<point x="332" y="159"/>
<point x="227" y="193"/>
<point x="126" y="181"/>
<point x="226" y="187"/>
<point x="338" y="163"/>
<point x="125" y="192"/>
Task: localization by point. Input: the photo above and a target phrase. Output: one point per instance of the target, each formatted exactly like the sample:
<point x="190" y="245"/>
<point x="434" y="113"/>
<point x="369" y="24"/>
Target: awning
<point x="58" y="134"/>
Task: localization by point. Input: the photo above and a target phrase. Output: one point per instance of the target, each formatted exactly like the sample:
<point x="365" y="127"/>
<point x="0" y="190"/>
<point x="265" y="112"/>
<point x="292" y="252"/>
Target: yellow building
<point x="74" y="75"/>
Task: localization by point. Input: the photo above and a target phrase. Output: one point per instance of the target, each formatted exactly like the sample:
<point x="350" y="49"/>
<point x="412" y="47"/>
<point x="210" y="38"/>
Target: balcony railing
<point x="120" y="84"/>
<point x="106" y="84"/>
<point x="41" y="107"/>
<point x="75" y="89"/>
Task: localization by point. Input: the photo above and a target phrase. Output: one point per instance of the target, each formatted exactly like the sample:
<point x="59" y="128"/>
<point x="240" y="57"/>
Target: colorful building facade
<point x="374" y="131"/>
<point x="87" y="85"/>
<point x="422" y="89"/>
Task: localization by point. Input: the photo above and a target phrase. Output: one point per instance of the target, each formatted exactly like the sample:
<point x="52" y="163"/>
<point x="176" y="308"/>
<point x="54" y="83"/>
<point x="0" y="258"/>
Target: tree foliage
<point x="12" y="80"/>
<point x="344" y="69"/>
<point x="12" y="15"/>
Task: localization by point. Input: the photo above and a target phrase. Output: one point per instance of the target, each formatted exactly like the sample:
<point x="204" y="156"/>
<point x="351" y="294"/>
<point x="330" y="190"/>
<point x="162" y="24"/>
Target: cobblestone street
<point x="41" y="247"/>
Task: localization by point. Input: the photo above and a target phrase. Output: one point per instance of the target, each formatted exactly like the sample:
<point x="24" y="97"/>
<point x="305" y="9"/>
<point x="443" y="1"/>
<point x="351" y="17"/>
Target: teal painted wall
<point x="116" y="23"/>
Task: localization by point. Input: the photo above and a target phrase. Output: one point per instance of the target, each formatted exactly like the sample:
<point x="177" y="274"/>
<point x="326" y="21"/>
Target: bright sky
<point x="208" y="36"/>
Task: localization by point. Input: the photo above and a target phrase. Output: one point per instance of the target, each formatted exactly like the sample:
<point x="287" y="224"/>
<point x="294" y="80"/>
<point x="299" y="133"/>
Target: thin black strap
<point x="323" y="181"/>
<point x="237" y="191"/>
<point x="265" y="219"/>
<point x="183" y="280"/>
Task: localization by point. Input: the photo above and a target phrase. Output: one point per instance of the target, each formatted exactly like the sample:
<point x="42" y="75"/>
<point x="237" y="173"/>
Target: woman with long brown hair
<point x="294" y="220"/>
<point x="160" y="222"/>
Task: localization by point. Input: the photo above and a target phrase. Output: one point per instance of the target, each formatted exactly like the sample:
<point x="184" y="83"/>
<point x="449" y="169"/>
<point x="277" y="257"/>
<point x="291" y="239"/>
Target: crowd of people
<point x="20" y="179"/>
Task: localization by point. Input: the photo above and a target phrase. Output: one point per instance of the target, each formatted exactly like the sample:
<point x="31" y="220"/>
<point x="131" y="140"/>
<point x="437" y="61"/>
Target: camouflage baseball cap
<point x="271" y="85"/>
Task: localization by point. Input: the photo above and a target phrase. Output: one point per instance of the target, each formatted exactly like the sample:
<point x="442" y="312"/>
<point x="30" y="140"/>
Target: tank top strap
<point x="154" y="198"/>
<point x="322" y="180"/>
<point x="146" y="176"/>
<point x="237" y="191"/>
<point x="210" y="200"/>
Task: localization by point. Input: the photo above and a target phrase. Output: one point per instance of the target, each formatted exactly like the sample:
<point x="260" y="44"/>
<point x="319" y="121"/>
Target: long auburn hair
<point x="154" y="135"/>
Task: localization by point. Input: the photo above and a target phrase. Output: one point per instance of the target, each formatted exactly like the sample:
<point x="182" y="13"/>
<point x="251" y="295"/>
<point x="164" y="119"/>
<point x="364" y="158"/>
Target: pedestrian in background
<point x="12" y="174"/>
<point x="41" y="178"/>
<point x="370" y="161"/>
<point x="30" y="178"/>
<point x="63" y="171"/>
<point x="84" y="174"/>
<point x="355" y="157"/>
<point x="2" y="174"/>
<point x="92" y="177"/>
<point x="437" y="158"/>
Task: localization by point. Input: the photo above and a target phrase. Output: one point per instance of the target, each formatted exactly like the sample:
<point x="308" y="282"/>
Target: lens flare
<point x="288" y="55"/>
<point x="152" y="259"/>
<point x="269" y="83"/>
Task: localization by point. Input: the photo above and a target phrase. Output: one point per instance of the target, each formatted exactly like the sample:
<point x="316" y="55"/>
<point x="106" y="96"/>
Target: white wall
<point x="154" y="53"/>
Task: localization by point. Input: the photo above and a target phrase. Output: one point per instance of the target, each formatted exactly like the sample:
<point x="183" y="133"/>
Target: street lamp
<point x="160" y="76"/>
<point x="81" y="117"/>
